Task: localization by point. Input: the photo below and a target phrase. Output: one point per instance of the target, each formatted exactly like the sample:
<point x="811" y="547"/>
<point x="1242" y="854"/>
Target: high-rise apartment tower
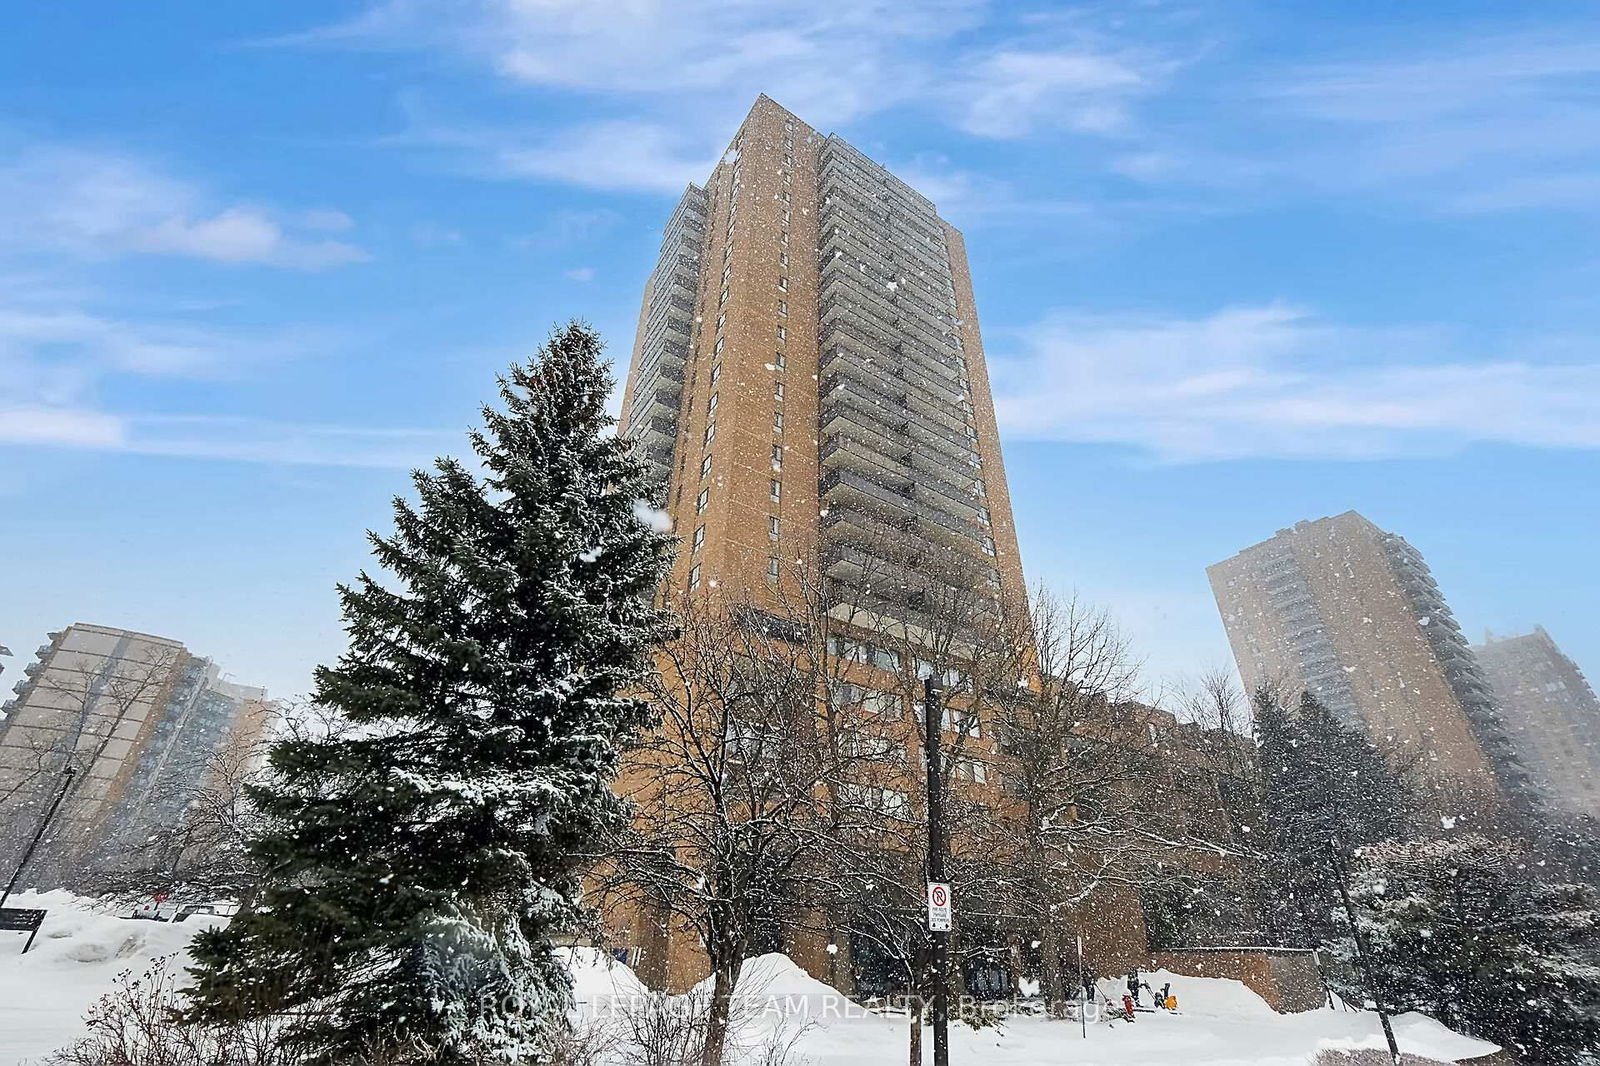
<point x="1551" y="714"/>
<point x="1351" y="613"/>
<point x="809" y="381"/>
<point x="121" y="727"/>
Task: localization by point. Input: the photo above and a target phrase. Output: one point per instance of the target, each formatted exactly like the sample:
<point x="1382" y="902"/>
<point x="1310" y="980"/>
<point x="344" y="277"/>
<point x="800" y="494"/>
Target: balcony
<point x="847" y="453"/>
<point x="880" y="377"/>
<point x="852" y="332"/>
<point x="869" y="425"/>
<point x="879" y="235"/>
<point x="840" y="271"/>
<point x="848" y="489"/>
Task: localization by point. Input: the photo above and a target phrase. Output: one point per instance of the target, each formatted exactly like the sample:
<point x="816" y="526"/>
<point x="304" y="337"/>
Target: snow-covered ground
<point x="80" y="951"/>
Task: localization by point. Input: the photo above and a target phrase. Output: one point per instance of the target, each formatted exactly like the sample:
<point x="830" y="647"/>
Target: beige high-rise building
<point x="134" y="718"/>
<point x="1351" y="613"/>
<point x="1551" y="714"/>
<point x="808" y="375"/>
<point x="808" y="379"/>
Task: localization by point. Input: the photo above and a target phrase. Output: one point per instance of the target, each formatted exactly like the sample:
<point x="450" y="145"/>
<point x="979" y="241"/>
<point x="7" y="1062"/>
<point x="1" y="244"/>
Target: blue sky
<point x="1237" y="264"/>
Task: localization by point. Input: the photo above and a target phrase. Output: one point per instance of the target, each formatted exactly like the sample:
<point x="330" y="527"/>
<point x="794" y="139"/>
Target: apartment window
<point x="783" y="334"/>
<point x="722" y="320"/>
<point x="727" y="250"/>
<point x="783" y="307"/>
<point x="786" y="216"/>
<point x="781" y="362"/>
<point x="783" y="284"/>
<point x="777" y="391"/>
<point x="783" y="260"/>
<point x="783" y="236"/>
<point x="727" y="272"/>
<point x="723" y="298"/>
<point x="716" y="349"/>
<point x="699" y="538"/>
<point x="711" y="404"/>
<point x="772" y="568"/>
<point x="777" y="420"/>
<point x="701" y="500"/>
<point x="775" y="490"/>
<point x="716" y="372"/>
<point x="788" y="125"/>
<point x="694" y="576"/>
<point x="784" y="196"/>
<point x="972" y="770"/>
<point x="889" y="802"/>
<point x="988" y="545"/>
<point x="711" y="433"/>
<point x="705" y="466"/>
<point x="788" y="160"/>
<point x="773" y="527"/>
<point x="777" y="457"/>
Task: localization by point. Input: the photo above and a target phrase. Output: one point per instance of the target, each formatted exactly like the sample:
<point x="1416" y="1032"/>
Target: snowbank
<point x="1222" y="1023"/>
<point x="79" y="951"/>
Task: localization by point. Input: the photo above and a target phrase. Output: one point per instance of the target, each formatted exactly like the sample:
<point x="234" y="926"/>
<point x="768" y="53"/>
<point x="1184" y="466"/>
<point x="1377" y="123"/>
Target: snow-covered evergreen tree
<point x="1462" y="929"/>
<point x="418" y="865"/>
<point x="1323" y="784"/>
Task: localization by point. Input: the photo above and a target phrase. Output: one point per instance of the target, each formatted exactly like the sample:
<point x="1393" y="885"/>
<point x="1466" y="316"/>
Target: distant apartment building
<point x="1551" y="715"/>
<point x="119" y="727"/>
<point x="1342" y="609"/>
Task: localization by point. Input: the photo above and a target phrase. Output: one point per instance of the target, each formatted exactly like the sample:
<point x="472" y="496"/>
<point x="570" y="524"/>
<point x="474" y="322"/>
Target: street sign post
<point x="938" y="934"/>
<point x="938" y="907"/>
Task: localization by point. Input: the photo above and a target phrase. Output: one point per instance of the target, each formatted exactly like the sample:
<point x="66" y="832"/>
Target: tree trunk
<point x="914" y="1012"/>
<point x="1015" y="967"/>
<point x="1050" y="980"/>
<point x="841" y="963"/>
<point x="724" y="979"/>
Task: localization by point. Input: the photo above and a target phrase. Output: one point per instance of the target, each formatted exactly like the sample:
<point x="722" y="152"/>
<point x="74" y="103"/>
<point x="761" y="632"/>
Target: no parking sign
<point x="938" y="907"/>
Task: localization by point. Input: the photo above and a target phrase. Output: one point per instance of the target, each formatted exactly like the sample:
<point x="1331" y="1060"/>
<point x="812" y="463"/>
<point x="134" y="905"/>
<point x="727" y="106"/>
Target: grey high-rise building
<point x="1351" y="613"/>
<point x="1551" y="715"/>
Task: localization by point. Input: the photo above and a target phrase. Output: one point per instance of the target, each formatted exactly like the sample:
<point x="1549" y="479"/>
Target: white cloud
<point x="579" y="274"/>
<point x="260" y="440"/>
<point x="61" y="426"/>
<point x="60" y="360"/>
<point x="608" y="155"/>
<point x="435" y="235"/>
<point x="59" y="199"/>
<point x="1276" y="382"/>
<point x="634" y="156"/>
<point x="681" y="73"/>
<point x="567" y="227"/>
<point x="832" y="63"/>
<point x="1011" y="93"/>
<point x="1471" y="124"/>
